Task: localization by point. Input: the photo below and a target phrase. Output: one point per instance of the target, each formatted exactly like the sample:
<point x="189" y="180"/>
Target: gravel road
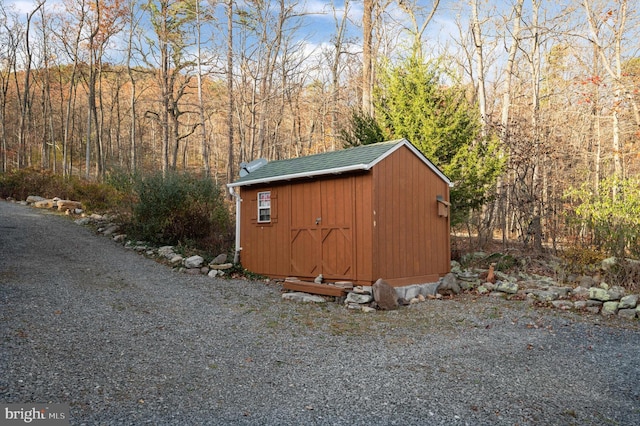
<point x="126" y="341"/>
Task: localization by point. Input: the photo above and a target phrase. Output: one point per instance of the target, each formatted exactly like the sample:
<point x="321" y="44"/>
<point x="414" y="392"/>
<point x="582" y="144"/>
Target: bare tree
<point x="9" y="41"/>
<point x="613" y="20"/>
<point x="25" y="104"/>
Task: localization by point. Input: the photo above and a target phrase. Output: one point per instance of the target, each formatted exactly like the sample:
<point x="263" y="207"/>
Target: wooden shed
<point x="359" y="214"/>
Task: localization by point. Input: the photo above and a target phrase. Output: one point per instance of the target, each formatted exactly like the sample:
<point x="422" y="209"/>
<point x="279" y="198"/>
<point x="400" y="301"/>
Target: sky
<point x="319" y="24"/>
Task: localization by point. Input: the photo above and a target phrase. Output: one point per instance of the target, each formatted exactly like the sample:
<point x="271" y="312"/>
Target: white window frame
<point x="264" y="206"/>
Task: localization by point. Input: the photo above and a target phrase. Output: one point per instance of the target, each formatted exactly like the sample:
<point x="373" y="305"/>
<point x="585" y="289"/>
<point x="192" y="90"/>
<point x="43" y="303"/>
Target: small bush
<point x="580" y="260"/>
<point x="181" y="209"/>
<point x="19" y="184"/>
<point x="625" y="273"/>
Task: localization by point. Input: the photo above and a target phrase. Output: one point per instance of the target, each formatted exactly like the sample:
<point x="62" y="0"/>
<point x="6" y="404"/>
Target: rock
<point x="68" y="205"/>
<point x="449" y="285"/>
<point x="489" y="286"/>
<point x="204" y="270"/>
<point x="628" y="302"/>
<point x="363" y="289"/>
<point x="166" y="251"/>
<point x="591" y="303"/>
<point x="385" y="295"/>
<point x="544" y="295"/>
<point x="347" y="285"/>
<point x="359" y="298"/>
<point x="507" y="287"/>
<point x="223" y="266"/>
<point x="421" y="298"/>
<point x="368" y="309"/>
<point x="467" y="276"/>
<point x="44" y="204"/>
<point x="581" y="292"/>
<point x="191" y="271"/>
<point x="354" y="306"/>
<point x="83" y="221"/>
<point x="318" y="279"/>
<point x="119" y="238"/>
<point x="109" y="230"/>
<point x="580" y="304"/>
<point x="593" y="309"/>
<point x="615" y="292"/>
<point x="193" y="262"/>
<point x="482" y="289"/>
<point x="219" y="259"/>
<point x="597" y="293"/>
<point x="587" y="281"/>
<point x="610" y="308"/>
<point x="498" y="294"/>
<point x="467" y="285"/>
<point x="213" y="273"/>
<point x="562" y="304"/>
<point x="414" y="301"/>
<point x="561" y="291"/>
<point x="627" y="313"/>
<point x="303" y="297"/>
<point x="34" y="199"/>
<point x="175" y="259"/>
<point x="608" y="263"/>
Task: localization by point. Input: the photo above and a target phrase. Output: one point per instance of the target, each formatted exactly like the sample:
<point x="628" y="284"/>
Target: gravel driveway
<point x="124" y="340"/>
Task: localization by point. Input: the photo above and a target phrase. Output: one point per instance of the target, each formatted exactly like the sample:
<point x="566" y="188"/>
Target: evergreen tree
<point x="414" y="103"/>
<point x="362" y="130"/>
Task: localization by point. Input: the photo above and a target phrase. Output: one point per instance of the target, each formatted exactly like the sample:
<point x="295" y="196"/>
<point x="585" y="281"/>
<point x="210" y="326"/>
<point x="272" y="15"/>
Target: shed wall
<point x="265" y="247"/>
<point x="411" y="242"/>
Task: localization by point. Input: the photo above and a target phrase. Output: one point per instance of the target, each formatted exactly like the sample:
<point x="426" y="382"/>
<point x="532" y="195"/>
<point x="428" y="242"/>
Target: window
<point x="264" y="207"/>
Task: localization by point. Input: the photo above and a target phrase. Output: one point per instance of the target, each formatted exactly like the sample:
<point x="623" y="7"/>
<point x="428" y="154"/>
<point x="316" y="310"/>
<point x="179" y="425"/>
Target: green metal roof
<point x="335" y="162"/>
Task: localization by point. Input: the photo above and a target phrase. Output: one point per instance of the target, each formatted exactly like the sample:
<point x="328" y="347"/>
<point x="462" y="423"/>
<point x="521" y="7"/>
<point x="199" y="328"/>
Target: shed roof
<point x="362" y="157"/>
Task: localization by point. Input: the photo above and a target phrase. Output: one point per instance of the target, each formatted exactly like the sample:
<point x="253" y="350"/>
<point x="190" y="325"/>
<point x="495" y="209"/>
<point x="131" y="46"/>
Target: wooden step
<point x="313" y="288"/>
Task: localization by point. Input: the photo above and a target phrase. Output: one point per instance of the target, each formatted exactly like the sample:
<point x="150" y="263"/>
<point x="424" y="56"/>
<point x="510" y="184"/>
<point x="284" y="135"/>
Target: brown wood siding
<point x="265" y="247"/>
<point x="322" y="228"/>
<point x="412" y="240"/>
<point x="363" y="220"/>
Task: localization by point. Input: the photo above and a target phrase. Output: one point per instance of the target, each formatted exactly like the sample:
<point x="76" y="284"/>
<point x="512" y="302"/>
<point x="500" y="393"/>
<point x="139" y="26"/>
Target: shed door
<point x="321" y="228"/>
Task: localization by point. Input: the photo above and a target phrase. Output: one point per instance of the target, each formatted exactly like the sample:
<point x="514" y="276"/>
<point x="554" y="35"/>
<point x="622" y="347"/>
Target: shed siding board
<point x="363" y="224"/>
<point x="410" y="234"/>
<point x="264" y="246"/>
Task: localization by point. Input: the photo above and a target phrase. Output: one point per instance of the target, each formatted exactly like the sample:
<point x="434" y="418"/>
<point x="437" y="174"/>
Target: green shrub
<point x="181" y="209"/>
<point x="611" y="214"/>
<point x="625" y="273"/>
<point x="581" y="260"/>
<point x="19" y="184"/>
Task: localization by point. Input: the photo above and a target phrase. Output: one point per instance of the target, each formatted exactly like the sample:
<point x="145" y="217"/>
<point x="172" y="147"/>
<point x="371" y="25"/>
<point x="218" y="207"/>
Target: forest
<point x="530" y="107"/>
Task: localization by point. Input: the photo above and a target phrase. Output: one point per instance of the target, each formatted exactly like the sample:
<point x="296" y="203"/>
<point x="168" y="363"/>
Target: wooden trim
<point x="313" y="288"/>
<point x="423" y="279"/>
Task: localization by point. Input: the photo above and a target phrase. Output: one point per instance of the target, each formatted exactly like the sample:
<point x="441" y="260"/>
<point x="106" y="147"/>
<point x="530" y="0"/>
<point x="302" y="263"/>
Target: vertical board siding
<point x="363" y="219"/>
<point x="412" y="239"/>
<point x="265" y="248"/>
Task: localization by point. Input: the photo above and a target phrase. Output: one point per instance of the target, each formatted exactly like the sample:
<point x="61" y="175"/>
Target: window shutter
<point x="274" y="206"/>
<point x="253" y="208"/>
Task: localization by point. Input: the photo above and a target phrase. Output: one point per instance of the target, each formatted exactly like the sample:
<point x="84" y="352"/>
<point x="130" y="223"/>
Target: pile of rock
<point x="541" y="290"/>
<point x="585" y="295"/>
<point x="66" y="206"/>
<point x="194" y="265"/>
